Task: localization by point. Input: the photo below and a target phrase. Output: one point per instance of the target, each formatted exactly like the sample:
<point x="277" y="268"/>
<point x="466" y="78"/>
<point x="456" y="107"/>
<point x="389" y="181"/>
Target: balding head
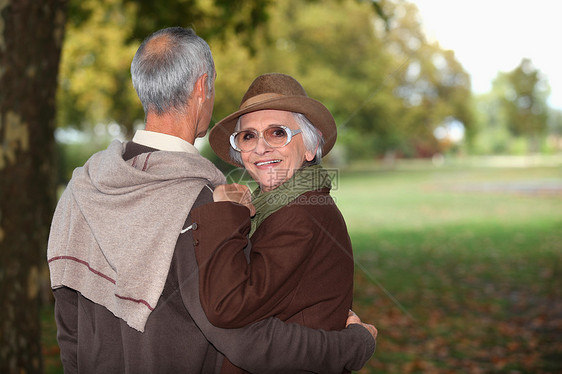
<point x="158" y="46"/>
<point x="166" y="67"/>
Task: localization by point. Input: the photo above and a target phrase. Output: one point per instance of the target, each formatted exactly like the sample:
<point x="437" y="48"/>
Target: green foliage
<point x="386" y="86"/>
<point x="367" y="61"/>
<point x="433" y="86"/>
<point x="102" y="37"/>
<point x="95" y="85"/>
<point x="555" y="122"/>
<point x="525" y="100"/>
<point x="210" y="18"/>
<point x="514" y="117"/>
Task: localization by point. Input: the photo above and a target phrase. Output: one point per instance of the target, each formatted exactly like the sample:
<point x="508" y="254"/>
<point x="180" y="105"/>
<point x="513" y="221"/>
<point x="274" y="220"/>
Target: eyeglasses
<point x="274" y="136"/>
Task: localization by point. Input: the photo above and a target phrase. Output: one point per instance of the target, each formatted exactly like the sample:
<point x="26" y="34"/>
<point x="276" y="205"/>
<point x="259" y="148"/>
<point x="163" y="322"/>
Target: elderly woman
<point x="293" y="258"/>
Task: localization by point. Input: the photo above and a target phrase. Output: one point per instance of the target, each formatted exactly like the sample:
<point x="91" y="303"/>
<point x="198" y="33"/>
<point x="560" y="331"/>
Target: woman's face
<point x="269" y="166"/>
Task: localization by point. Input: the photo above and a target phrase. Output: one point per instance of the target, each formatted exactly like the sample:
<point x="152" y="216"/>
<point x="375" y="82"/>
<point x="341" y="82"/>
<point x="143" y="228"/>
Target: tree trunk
<point x="31" y="36"/>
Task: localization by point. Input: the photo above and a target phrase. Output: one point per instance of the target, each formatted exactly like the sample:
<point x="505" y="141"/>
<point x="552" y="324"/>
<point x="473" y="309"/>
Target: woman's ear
<point x="309" y="156"/>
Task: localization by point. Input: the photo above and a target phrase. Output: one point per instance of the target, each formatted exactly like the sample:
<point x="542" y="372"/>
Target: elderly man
<point x="121" y="249"/>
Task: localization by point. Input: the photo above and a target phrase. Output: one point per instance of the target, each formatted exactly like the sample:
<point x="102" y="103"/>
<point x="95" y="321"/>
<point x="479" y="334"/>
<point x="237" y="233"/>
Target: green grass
<point x="460" y="269"/>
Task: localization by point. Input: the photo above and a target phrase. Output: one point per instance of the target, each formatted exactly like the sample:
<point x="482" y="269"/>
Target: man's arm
<point x="66" y="317"/>
<point x="272" y="346"/>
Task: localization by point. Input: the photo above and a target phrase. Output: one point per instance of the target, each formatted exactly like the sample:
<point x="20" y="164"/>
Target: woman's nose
<point x="262" y="146"/>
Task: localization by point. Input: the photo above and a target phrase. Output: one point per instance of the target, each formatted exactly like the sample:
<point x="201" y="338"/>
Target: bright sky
<point x="489" y="36"/>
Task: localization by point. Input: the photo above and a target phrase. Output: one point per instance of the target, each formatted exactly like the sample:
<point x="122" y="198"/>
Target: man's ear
<point x="201" y="87"/>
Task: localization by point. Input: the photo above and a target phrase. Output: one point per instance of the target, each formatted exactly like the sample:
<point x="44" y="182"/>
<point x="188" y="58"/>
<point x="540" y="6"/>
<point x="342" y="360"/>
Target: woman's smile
<point x="267" y="163"/>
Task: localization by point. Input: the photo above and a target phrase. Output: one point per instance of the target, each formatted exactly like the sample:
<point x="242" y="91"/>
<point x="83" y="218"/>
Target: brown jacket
<point x="178" y="338"/>
<point x="300" y="265"/>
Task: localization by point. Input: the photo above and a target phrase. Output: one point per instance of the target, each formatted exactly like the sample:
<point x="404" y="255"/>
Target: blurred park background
<point x="453" y="198"/>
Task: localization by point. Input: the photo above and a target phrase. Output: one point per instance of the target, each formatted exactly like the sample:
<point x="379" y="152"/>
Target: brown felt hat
<point x="279" y="92"/>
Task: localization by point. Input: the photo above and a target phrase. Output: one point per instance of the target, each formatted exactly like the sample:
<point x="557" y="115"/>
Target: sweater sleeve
<point x="235" y="292"/>
<point x="272" y="346"/>
<point x="66" y="317"/>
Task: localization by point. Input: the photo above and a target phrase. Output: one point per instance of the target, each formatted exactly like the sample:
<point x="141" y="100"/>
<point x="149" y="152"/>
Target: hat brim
<point x="315" y="111"/>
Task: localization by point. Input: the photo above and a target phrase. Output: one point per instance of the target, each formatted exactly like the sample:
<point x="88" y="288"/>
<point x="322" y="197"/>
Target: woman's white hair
<point x="312" y="138"/>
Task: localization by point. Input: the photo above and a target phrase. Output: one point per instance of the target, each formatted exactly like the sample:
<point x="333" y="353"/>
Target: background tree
<point x="525" y="103"/>
<point x="492" y="137"/>
<point x="95" y="86"/>
<point x="555" y="129"/>
<point x="31" y="36"/>
<point x="387" y="87"/>
<point x="103" y="36"/>
<point x="330" y="47"/>
<point x="432" y="84"/>
<point x="514" y="116"/>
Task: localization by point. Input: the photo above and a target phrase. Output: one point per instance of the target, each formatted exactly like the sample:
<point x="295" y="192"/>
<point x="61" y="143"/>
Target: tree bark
<point x="31" y="36"/>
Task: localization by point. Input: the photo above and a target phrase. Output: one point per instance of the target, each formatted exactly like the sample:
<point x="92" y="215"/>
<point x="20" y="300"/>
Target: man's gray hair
<point x="311" y="137"/>
<point x="164" y="75"/>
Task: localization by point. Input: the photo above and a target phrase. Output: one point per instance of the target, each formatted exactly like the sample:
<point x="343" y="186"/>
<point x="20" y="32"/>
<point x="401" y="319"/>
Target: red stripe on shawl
<point x="83" y="263"/>
<point x="141" y="301"/>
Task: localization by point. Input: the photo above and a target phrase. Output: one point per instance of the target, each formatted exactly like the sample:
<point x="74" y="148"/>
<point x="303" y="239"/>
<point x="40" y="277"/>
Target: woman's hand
<point x="236" y="193"/>
<point x="354" y="318"/>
